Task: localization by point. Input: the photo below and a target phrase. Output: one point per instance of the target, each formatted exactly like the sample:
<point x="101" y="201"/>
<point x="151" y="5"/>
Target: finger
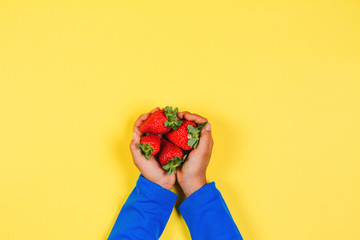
<point x="181" y="114"/>
<point x="143" y="164"/>
<point x="138" y="123"/>
<point x="134" y="142"/>
<point x="195" y="118"/>
<point x="206" y="141"/>
<point x="135" y="152"/>
<point x="154" y="110"/>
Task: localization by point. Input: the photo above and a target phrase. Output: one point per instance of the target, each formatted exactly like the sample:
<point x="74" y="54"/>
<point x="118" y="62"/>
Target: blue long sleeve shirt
<point x="149" y="206"/>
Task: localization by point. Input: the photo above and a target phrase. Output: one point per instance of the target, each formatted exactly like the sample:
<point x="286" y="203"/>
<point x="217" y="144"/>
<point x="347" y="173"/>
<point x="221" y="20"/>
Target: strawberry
<point x="161" y="121"/>
<point x="170" y="156"/>
<point x="149" y="145"/>
<point x="187" y="135"/>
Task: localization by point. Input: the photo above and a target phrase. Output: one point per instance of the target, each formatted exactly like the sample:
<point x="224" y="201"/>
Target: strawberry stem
<point x="171" y="115"/>
<point x="173" y="164"/>
<point x="195" y="134"/>
<point x="146" y="150"/>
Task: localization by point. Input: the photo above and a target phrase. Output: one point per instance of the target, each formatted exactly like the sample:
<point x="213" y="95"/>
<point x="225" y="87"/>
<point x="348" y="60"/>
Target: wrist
<point x="166" y="185"/>
<point x="191" y="186"/>
<point x="161" y="182"/>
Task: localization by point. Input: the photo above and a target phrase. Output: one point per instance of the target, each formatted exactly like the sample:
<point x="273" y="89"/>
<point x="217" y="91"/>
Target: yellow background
<point x="278" y="80"/>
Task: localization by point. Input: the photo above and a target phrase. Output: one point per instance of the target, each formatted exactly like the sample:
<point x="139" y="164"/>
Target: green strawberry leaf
<point x="166" y="167"/>
<point x="191" y="129"/>
<point x="195" y="134"/>
<point x="171" y="115"/>
<point x="192" y="142"/>
<point x="146" y="150"/>
<point x="173" y="164"/>
<point x="201" y="126"/>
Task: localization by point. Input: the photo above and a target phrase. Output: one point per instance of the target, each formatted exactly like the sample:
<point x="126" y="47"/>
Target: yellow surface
<point x="278" y="80"/>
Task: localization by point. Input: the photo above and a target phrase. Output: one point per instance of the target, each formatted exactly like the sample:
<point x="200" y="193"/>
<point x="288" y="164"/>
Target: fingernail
<point x="208" y="127"/>
<point x="134" y="136"/>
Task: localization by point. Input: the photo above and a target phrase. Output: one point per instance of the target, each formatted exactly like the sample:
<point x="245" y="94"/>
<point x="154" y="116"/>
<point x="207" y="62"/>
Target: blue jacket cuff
<point x="197" y="198"/>
<point x="156" y="192"/>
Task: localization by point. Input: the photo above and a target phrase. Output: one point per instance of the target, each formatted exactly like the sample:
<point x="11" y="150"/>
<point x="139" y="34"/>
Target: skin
<point x="150" y="169"/>
<point x="192" y="175"/>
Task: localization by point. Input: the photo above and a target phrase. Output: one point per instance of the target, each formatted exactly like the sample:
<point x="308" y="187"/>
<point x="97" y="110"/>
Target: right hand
<point x="192" y="175"/>
<point x="150" y="169"/>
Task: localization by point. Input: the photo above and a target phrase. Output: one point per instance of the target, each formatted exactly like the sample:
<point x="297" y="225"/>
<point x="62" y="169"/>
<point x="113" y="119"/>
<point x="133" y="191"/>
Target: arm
<point x="148" y="208"/>
<point x="145" y="213"/>
<point x="207" y="216"/>
<point x="204" y="210"/>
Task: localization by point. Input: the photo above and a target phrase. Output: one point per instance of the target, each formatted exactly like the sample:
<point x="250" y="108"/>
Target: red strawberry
<point x="149" y="145"/>
<point x="187" y="135"/>
<point x="161" y="121"/>
<point x="170" y="156"/>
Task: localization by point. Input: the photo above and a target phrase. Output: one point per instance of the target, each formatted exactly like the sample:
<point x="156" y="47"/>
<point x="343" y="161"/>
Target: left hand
<point x="192" y="175"/>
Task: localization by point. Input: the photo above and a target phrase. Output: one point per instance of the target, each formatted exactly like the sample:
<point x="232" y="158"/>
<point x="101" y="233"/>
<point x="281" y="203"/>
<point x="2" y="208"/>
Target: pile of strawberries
<point x="169" y="139"/>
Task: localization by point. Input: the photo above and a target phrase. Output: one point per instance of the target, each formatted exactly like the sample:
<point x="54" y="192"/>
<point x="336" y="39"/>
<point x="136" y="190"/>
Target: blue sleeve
<point x="207" y="216"/>
<point x="145" y="212"/>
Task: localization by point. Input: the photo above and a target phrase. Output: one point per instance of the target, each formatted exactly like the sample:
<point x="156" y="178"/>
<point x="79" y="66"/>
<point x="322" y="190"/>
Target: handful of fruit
<point x="168" y="138"/>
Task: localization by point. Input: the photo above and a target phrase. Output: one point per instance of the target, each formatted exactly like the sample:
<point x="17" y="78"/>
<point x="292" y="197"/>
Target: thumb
<point x="135" y="141"/>
<point x="206" y="140"/>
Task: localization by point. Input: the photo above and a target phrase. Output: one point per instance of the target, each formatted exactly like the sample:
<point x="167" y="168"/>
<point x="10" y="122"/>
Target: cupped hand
<point x="192" y="175"/>
<point x="150" y="169"/>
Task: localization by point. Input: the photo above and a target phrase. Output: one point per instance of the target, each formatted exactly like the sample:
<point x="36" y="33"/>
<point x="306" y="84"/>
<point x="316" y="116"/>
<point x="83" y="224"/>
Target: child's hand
<point x="192" y="175"/>
<point x="150" y="169"/>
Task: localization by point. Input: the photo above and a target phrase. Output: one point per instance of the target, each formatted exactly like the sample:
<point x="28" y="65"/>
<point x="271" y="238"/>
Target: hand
<point x="150" y="169"/>
<point x="192" y="175"/>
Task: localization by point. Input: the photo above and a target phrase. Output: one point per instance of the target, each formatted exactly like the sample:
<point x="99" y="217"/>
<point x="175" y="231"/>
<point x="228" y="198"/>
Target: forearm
<point x="207" y="216"/>
<point x="191" y="186"/>
<point x="145" y="213"/>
